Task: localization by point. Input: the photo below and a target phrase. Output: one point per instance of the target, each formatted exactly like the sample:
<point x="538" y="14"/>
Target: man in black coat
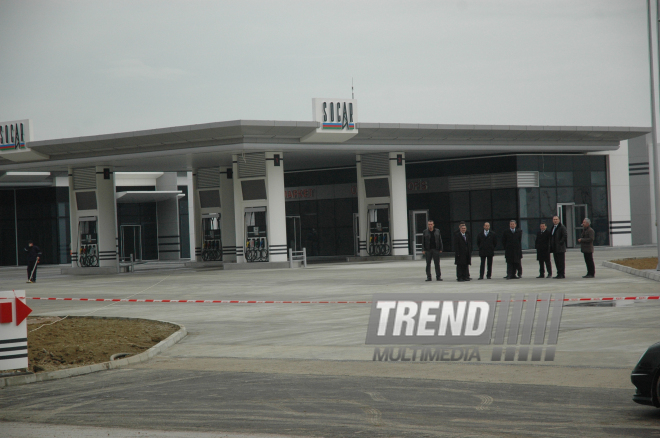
<point x="542" y="246"/>
<point x="431" y="248"/>
<point x="558" y="238"/>
<point x="486" y="242"/>
<point x="512" y="243"/>
<point x="462" y="244"/>
<point x="33" y="256"/>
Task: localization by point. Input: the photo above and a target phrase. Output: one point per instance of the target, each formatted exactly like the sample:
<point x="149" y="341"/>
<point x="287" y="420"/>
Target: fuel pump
<point x="256" y="235"/>
<point x="88" y="242"/>
<point x="379" y="230"/>
<point x="211" y="237"/>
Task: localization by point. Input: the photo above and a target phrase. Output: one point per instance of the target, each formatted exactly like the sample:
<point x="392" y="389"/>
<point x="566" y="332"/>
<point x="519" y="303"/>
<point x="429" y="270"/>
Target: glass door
<point x="293" y="233"/>
<point x="418" y="222"/>
<point x="565" y="213"/>
<point x="131" y="242"/>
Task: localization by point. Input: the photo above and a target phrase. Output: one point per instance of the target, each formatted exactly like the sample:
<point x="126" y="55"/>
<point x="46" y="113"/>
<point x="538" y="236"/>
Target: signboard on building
<point x="336" y="118"/>
<point x="14" y="139"/>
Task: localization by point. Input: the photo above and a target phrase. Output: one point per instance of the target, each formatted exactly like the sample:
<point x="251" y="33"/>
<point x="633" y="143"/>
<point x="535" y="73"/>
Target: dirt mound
<point x="642" y="263"/>
<point x="58" y="343"/>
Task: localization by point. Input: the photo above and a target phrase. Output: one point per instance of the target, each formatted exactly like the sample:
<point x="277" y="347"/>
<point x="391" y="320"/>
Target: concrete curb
<point x="79" y="371"/>
<point x="651" y="275"/>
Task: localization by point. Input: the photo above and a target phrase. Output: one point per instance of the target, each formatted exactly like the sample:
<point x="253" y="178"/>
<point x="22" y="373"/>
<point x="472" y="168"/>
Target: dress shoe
<point x="511" y="278"/>
<point x="505" y="277"/>
<point x="438" y="278"/>
<point x="588" y="276"/>
<point x="459" y="279"/>
<point x="541" y="276"/>
<point x="549" y="275"/>
<point x="519" y="276"/>
<point x="487" y="278"/>
<point x="556" y="276"/>
<point x="429" y="279"/>
<point x="480" y="278"/>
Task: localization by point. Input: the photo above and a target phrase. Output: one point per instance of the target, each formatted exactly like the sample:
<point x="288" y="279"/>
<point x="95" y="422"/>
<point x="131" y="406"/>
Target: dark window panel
<point x="548" y="201"/>
<point x="480" y="207"/>
<point x="598" y="162"/>
<point x="292" y="208"/>
<point x="547" y="163"/>
<point x="564" y="163"/>
<point x="505" y="205"/>
<point x="528" y="162"/>
<point x="460" y="206"/>
<point x="500" y="227"/>
<point x="599" y="202"/>
<point x="582" y="178"/>
<point x="582" y="195"/>
<point x="136" y="188"/>
<point x="564" y="194"/>
<point x="581" y="163"/>
<point x="547" y="179"/>
<point x="326" y="216"/>
<point x="564" y="179"/>
<point x="320" y="177"/>
<point x="343" y="213"/>
<point x="344" y="241"/>
<point x="601" y="228"/>
<point x="327" y="244"/>
<point x="529" y="202"/>
<point x="598" y="178"/>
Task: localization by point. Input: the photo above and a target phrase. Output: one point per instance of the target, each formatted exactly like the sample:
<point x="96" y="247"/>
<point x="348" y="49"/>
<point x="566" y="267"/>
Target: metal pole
<point x="654" y="147"/>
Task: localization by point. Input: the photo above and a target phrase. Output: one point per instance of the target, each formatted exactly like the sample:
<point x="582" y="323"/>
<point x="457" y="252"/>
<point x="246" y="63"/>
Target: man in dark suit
<point x="512" y="243"/>
<point x="542" y="246"/>
<point x="558" y="246"/>
<point x="462" y="244"/>
<point x="431" y="248"/>
<point x="486" y="242"/>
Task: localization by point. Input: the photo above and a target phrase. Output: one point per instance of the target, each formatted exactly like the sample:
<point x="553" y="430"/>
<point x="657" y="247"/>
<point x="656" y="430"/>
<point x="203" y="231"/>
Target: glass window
<point x="564" y="194"/>
<point x="582" y="178"/>
<point x="528" y="162"/>
<point x="460" y="206"/>
<point x="564" y="163"/>
<point x="599" y="201"/>
<point x="598" y="178"/>
<point x="480" y="204"/>
<point x="597" y="162"/>
<point x="529" y="228"/>
<point x="326" y="213"/>
<point x="547" y="179"/>
<point x="601" y="228"/>
<point x="547" y="163"/>
<point x="548" y="201"/>
<point x="582" y="195"/>
<point x="564" y="179"/>
<point x="505" y="205"/>
<point x="529" y="202"/>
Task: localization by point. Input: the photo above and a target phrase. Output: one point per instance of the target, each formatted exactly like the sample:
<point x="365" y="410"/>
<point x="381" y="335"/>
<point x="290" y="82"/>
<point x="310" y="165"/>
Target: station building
<point x="248" y="191"/>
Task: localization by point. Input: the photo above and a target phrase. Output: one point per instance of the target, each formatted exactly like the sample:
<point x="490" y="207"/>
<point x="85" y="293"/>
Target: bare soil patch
<point x="77" y="341"/>
<point x="642" y="263"/>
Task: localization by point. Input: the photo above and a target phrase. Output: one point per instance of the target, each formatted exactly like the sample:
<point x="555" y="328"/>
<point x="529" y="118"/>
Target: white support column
<point x="275" y="209"/>
<point x="192" y="225"/>
<point x="107" y="218"/>
<point x="167" y="217"/>
<point x="363" y="220"/>
<point x="73" y="222"/>
<point x="653" y="196"/>
<point x="228" y="215"/>
<point x="197" y="218"/>
<point x="398" y="205"/>
<point x="619" y="196"/>
<point x="239" y="214"/>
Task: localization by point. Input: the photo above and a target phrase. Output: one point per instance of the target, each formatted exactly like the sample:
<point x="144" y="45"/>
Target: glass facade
<point x="37" y="214"/>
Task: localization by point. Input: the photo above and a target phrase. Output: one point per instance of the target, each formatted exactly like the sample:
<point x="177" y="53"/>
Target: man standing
<point x="587" y="244"/>
<point x="542" y="246"/>
<point x="431" y="248"/>
<point x="512" y="243"/>
<point x="462" y="253"/>
<point x="486" y="242"/>
<point x="558" y="246"/>
<point x="33" y="256"/>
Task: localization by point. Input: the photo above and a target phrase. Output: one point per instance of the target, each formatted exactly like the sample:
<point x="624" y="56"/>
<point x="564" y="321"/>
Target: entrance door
<point x="418" y="221"/>
<point x="131" y="242"/>
<point x="293" y="233"/>
<point x="356" y="233"/>
<point x="571" y="215"/>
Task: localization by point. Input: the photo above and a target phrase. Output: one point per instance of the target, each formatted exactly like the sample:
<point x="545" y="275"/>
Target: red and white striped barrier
<point x="134" y="300"/>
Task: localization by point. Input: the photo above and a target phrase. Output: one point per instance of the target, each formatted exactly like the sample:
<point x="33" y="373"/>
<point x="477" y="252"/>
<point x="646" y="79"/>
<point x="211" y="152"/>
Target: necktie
<point x="464" y="237"/>
<point x="553" y="230"/>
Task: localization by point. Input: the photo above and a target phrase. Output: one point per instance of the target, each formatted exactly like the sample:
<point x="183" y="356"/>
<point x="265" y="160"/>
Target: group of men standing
<point x="548" y="241"/>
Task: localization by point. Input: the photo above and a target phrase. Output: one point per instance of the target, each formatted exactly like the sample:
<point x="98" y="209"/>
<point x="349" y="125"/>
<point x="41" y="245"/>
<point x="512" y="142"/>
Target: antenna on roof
<point x="352" y="93"/>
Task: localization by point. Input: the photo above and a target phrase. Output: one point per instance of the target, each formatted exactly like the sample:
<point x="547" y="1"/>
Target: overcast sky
<point x="94" y="67"/>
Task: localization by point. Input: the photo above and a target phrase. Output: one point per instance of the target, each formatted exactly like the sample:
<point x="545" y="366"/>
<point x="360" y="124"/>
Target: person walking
<point x="486" y="242"/>
<point x="542" y="246"/>
<point x="558" y="237"/>
<point x="587" y="247"/>
<point x="462" y="244"/>
<point x="431" y="248"/>
<point x="512" y="243"/>
<point x="33" y="257"/>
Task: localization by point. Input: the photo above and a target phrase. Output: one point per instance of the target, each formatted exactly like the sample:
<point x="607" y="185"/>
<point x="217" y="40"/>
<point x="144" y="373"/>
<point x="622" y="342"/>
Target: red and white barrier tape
<point x="133" y="300"/>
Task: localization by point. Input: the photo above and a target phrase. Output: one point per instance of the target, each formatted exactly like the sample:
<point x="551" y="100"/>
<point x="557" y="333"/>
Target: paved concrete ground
<point x="305" y="369"/>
